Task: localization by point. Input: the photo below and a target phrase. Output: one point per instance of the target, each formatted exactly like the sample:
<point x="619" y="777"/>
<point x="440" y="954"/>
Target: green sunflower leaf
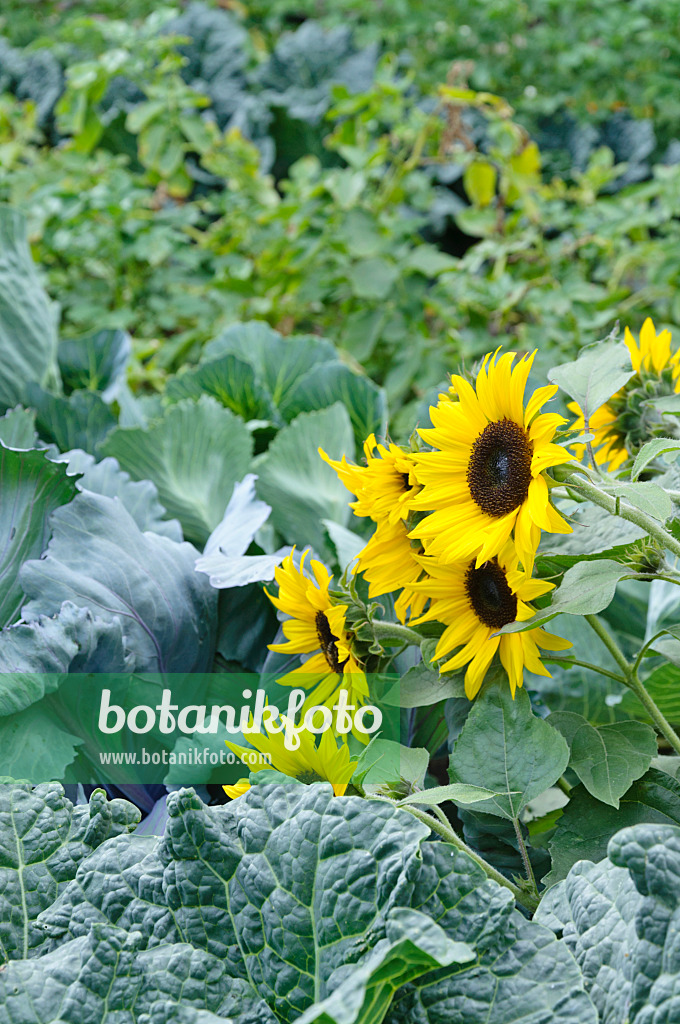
<point x="595" y="376"/>
<point x="653" y="450"/>
<point x="609" y="758"/>
<point x="587" y="824"/>
<point x="586" y="589"/>
<point x="504" y="747"/>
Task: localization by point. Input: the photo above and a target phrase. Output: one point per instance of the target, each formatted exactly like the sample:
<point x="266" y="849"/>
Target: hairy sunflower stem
<point x="395" y="631"/>
<point x="528" y="901"/>
<point x="633" y="682"/>
<point x="583" y="664"/>
<point x="529" y="871"/>
<point x="617" y="508"/>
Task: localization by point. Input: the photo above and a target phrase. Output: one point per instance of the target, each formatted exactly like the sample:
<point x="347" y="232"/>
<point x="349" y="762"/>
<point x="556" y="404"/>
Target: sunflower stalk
<point x="527" y="899"/>
<point x="616" y="507"/>
<point x="394" y="631"/>
<point x="633" y="682"/>
<point x="529" y="871"/>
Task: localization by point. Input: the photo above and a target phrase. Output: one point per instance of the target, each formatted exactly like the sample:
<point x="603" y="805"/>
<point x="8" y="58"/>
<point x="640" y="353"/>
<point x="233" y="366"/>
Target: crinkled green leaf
<point x="609" y="758"/>
<point x="620" y="919"/>
<point x="43" y="841"/>
<point x="194" y="455"/>
<point x="286" y="898"/>
<point x="521" y="976"/>
<point x="413" y="945"/>
<point x="99" y="558"/>
<point x="32" y="487"/>
<point x="506" y="748"/>
<point x="28" y="324"/>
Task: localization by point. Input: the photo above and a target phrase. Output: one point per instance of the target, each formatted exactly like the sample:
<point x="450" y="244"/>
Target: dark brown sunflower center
<point x="328" y="643"/>
<point x="499" y="470"/>
<point x="487" y="588"/>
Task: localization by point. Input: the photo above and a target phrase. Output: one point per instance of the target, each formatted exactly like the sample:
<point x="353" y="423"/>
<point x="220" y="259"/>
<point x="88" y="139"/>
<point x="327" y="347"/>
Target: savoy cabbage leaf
<point x="621" y="919"/>
<point x="288" y="904"/>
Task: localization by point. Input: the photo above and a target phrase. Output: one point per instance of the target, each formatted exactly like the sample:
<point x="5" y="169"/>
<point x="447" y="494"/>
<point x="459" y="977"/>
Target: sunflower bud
<point x="646" y="556"/>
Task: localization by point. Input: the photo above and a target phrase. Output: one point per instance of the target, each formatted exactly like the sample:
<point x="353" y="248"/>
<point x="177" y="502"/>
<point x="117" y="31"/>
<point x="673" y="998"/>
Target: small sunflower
<point x="316" y="627"/>
<point x="485" y="478"/>
<point x="625" y="423"/>
<point x="474" y="601"/>
<point x="384" y="488"/>
<point x="327" y="761"/>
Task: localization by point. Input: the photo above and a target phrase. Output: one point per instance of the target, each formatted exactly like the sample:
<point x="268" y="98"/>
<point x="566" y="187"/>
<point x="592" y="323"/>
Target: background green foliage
<point x="337" y="172"/>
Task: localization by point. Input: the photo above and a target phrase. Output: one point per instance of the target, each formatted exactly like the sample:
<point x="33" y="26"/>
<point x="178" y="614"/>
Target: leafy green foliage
<point x="99" y="557"/>
<point x="503" y="746"/>
<point x="194" y="454"/>
<point x="38" y="487"/>
<point x="348" y="904"/>
<point x="44" y="841"/>
<point x="28" y="337"/>
<point x="609" y="758"/>
<point x="301" y="489"/>
<point x="587" y="824"/>
<point x="618" y="918"/>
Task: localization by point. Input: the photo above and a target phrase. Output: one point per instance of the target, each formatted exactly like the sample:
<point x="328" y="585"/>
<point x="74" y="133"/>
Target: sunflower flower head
<point x="325" y="761"/>
<point x="474" y="602"/>
<point x="316" y="627"/>
<point x="384" y="490"/>
<point x="627" y="420"/>
<point x="485" y="478"/>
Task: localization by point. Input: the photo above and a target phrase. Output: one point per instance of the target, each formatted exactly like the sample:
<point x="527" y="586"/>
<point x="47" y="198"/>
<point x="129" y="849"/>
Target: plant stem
<point x="529" y="871"/>
<point x="583" y="664"/>
<point x="563" y="785"/>
<point x="528" y="901"/>
<point x="624" y="511"/>
<point x="633" y="682"/>
<point x="395" y="631"/>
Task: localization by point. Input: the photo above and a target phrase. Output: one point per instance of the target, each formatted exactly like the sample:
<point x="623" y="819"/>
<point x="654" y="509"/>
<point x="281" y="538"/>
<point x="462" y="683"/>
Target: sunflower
<point x="316" y="627"/>
<point x="485" y="477"/>
<point x="474" y="601"/>
<point x="623" y="425"/>
<point x="329" y="761"/>
<point x="384" y="488"/>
